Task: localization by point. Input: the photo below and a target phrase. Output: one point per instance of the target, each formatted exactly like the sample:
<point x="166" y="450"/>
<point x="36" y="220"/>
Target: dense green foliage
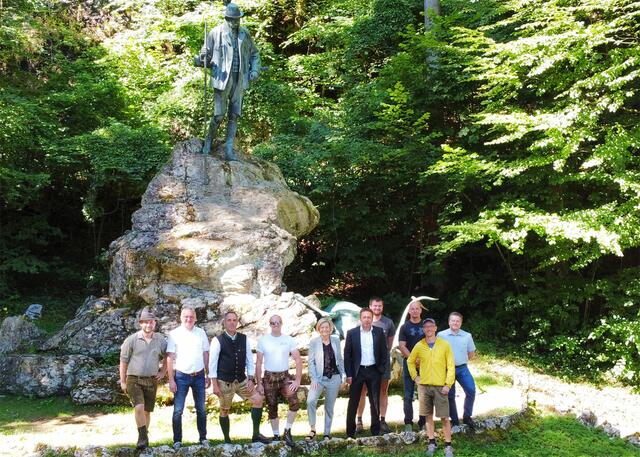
<point x="491" y="161"/>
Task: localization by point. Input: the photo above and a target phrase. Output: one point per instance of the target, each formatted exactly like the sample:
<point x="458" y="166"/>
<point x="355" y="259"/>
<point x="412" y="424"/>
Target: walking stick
<point x="204" y="69"/>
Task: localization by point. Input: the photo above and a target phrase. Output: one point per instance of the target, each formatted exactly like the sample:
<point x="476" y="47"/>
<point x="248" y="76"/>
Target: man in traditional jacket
<point x="234" y="61"/>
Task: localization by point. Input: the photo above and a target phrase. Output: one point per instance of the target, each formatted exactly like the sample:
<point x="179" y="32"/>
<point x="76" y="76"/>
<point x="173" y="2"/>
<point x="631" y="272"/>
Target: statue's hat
<point x="233" y="11"/>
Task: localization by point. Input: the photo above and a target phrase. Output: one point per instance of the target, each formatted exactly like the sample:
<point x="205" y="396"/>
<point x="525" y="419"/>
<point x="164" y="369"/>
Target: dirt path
<point x="616" y="407"/>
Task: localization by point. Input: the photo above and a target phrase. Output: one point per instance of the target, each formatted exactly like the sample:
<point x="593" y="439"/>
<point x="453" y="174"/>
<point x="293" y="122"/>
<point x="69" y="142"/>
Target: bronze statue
<point x="234" y="61"/>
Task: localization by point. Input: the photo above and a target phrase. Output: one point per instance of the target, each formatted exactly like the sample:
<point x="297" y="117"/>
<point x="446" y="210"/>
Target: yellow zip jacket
<point x="437" y="367"/>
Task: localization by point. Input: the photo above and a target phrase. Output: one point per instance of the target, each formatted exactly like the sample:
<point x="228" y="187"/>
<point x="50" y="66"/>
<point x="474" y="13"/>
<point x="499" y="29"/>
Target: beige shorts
<point x="229" y="389"/>
<point x="432" y="397"/>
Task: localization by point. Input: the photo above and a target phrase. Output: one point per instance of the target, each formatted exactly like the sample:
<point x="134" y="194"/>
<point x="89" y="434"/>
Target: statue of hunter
<point x="234" y="61"/>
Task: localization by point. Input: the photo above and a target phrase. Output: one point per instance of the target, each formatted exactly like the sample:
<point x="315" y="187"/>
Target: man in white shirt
<point x="273" y="352"/>
<point x="232" y="370"/>
<point x="366" y="357"/>
<point x="187" y="364"/>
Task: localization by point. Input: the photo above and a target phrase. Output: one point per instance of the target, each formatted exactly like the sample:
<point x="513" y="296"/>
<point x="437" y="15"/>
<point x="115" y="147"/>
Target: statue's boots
<point x="143" y="438"/>
<point x="211" y="134"/>
<point x="206" y="149"/>
<point x="232" y="127"/>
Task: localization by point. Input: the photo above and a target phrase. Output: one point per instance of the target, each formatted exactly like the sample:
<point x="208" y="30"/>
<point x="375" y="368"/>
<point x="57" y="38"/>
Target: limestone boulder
<point x="98" y="386"/>
<point x="42" y="375"/>
<point x="18" y="334"/>
<point x="209" y="228"/>
<point x="97" y="329"/>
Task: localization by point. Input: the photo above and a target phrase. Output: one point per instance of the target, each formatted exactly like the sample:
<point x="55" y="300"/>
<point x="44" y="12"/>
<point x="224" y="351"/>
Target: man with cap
<point x="463" y="349"/>
<point x="187" y="366"/>
<point x="234" y="61"/>
<point x="142" y="365"/>
<point x="232" y="371"/>
<point x="437" y="374"/>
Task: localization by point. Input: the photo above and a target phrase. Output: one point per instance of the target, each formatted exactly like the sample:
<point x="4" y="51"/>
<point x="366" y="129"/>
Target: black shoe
<point x="384" y="428"/>
<point x="469" y="422"/>
<point x="359" y="426"/>
<point x="143" y="438"/>
<point x="455" y="423"/>
<point x="288" y="439"/>
<point x="260" y="438"/>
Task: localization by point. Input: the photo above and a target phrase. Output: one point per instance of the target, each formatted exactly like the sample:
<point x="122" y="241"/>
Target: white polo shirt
<point x="275" y="351"/>
<point x="188" y="346"/>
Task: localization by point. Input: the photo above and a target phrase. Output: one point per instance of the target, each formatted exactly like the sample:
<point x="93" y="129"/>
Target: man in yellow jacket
<point x="437" y="374"/>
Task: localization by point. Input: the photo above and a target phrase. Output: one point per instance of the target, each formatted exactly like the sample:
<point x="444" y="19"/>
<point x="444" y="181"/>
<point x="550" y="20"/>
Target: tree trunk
<point x="431" y="9"/>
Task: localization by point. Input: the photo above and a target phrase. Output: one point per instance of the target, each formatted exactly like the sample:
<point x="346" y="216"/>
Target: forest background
<point x="490" y="159"/>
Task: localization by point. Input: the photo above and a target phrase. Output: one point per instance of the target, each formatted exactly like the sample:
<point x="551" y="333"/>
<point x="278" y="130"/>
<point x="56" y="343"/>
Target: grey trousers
<point x="332" y="386"/>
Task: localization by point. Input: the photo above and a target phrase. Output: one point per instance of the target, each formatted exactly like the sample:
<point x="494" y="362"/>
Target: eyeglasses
<point x="273" y="324"/>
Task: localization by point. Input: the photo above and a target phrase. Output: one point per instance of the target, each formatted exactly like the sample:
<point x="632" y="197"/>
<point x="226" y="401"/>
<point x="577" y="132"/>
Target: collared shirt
<point x="437" y="367"/>
<point x="366" y="348"/>
<point x="461" y="343"/>
<point x="276" y="351"/>
<point x="189" y="347"/>
<point x="143" y="358"/>
<point x="214" y="354"/>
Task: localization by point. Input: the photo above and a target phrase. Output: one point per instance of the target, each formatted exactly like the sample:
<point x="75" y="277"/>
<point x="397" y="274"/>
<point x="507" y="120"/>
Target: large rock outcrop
<point x="42" y="375"/>
<point x="209" y="228"/>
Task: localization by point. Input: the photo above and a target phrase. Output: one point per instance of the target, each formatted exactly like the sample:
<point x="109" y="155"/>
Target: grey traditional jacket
<point x="219" y="55"/>
<point x="316" y="358"/>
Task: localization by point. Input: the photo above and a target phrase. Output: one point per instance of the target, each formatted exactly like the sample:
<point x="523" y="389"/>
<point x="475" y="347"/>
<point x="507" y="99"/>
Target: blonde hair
<point x="322" y="321"/>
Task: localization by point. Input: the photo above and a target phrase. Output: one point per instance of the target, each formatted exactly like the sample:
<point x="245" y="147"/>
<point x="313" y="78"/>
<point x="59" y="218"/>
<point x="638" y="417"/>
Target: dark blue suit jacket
<point x="353" y="355"/>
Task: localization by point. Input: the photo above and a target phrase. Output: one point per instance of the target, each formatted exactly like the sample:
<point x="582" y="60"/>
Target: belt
<point x="461" y="365"/>
<point x="367" y="366"/>
<point x="140" y="377"/>
<point x="197" y="373"/>
<point x="276" y="372"/>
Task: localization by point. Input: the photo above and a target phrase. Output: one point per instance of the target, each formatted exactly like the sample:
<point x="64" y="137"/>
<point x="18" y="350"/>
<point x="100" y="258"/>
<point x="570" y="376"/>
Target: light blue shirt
<point x="461" y="343"/>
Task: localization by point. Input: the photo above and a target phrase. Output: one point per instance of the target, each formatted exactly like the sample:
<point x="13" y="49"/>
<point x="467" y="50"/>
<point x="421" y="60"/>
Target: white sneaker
<point x="448" y="451"/>
<point x="177" y="445"/>
<point x="431" y="449"/>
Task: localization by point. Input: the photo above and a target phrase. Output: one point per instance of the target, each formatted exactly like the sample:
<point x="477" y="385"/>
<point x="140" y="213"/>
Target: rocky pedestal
<point x="209" y="229"/>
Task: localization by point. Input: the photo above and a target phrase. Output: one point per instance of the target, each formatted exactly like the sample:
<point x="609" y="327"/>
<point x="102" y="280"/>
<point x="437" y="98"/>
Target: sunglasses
<point x="275" y="323"/>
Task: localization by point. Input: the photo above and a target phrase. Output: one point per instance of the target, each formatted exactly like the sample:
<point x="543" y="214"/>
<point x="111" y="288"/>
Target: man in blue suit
<point x="366" y="357"/>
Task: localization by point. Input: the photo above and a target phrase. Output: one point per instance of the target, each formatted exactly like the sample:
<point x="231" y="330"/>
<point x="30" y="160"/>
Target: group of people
<point x="433" y="362"/>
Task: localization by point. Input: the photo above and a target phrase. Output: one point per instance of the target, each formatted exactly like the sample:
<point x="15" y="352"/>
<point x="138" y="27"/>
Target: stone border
<point x="280" y="449"/>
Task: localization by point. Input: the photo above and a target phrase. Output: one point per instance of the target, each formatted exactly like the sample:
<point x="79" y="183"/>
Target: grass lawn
<point x="541" y="436"/>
